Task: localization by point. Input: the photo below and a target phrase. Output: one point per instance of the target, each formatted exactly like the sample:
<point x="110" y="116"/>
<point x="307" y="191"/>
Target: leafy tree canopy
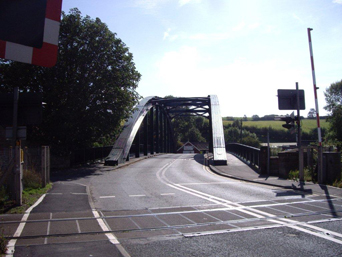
<point x="89" y="91"/>
<point x="333" y="97"/>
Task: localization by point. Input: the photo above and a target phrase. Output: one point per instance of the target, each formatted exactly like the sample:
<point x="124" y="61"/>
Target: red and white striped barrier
<point x="315" y="89"/>
<point x="45" y="56"/>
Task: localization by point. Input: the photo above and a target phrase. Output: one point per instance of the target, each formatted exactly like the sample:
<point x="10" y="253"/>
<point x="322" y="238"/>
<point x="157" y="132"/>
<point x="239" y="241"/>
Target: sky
<point x="243" y="51"/>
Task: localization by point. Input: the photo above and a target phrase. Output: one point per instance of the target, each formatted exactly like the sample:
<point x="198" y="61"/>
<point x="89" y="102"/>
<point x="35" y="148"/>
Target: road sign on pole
<point x="29" y="108"/>
<point x="21" y="133"/>
<point x="32" y="36"/>
<point x="287" y="99"/>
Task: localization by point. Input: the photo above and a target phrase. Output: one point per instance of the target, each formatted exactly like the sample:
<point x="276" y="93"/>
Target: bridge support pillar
<point x="165" y="133"/>
<point x="157" y="130"/>
<point x="161" y="132"/>
<point x="137" y="144"/>
<point x="151" y="129"/>
<point x="146" y="135"/>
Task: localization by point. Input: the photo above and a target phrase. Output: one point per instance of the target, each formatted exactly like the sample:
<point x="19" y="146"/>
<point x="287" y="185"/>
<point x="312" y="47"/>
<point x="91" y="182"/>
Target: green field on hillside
<point x="307" y="124"/>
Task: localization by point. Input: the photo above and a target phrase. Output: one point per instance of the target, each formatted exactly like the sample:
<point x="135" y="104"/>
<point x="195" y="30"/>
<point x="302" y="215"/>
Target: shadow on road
<point x="77" y="172"/>
<point x="199" y="158"/>
<point x="328" y="197"/>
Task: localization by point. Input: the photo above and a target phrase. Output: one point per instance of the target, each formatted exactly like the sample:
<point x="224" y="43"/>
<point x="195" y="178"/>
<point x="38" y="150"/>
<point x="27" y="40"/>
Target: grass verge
<point x="30" y="196"/>
<point x="309" y="175"/>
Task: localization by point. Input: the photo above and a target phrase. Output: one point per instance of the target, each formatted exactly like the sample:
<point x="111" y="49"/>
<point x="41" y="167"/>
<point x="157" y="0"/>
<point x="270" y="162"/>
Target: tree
<point x="89" y="91"/>
<point x="255" y="117"/>
<point x="312" y="113"/>
<point x="333" y="97"/>
<point x="232" y="135"/>
<point x="194" y="135"/>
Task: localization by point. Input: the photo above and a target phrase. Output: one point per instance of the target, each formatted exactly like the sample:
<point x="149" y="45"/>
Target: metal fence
<point x="249" y="154"/>
<point x="31" y="160"/>
<point x="90" y="155"/>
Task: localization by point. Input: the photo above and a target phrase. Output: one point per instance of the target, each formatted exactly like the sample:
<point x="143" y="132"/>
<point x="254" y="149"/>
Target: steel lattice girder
<point x="171" y="108"/>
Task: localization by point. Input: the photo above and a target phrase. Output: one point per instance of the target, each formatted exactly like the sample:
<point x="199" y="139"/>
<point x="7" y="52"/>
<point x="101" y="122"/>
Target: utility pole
<point x="17" y="187"/>
<point x="320" y="151"/>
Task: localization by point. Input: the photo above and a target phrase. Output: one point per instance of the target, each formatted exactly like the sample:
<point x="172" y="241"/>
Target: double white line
<point x="300" y="226"/>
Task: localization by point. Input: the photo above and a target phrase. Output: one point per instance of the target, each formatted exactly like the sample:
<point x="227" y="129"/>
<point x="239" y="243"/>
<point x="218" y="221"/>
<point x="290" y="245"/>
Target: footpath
<point x="237" y="169"/>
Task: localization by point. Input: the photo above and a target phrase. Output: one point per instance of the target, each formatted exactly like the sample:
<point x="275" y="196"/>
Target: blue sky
<point x="240" y="50"/>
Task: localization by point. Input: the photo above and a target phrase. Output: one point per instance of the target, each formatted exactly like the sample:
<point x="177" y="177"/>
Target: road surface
<point x="172" y="205"/>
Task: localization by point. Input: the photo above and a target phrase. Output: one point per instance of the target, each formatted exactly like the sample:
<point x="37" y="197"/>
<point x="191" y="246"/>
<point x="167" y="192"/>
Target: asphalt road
<point x="172" y="205"/>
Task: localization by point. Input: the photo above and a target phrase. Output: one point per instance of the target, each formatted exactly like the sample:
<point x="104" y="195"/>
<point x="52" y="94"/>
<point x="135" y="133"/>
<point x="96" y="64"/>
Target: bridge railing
<point x="249" y="154"/>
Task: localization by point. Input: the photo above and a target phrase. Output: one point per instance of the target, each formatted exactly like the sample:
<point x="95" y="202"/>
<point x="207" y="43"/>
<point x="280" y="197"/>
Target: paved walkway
<point x="237" y="169"/>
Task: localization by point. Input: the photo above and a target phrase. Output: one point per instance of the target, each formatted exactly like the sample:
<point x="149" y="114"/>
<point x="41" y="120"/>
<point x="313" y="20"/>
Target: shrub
<point x="3" y="194"/>
<point x="294" y="175"/>
<point x="309" y="175"/>
<point x="3" y="243"/>
<point x="338" y="184"/>
<point x="31" y="180"/>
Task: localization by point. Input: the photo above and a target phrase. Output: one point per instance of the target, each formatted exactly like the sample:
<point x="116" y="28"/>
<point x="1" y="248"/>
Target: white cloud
<point x="166" y="34"/>
<point x="239" y="27"/>
<point x="210" y="36"/>
<point x="178" y="67"/>
<point x="184" y="2"/>
<point x="270" y="29"/>
<point x="254" y="26"/>
<point x="243" y="87"/>
<point x="149" y="4"/>
<point x="297" y="18"/>
<point x="169" y="36"/>
<point x="337" y="1"/>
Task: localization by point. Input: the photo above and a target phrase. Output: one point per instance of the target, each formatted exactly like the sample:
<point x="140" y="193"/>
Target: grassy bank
<point x="307" y="124"/>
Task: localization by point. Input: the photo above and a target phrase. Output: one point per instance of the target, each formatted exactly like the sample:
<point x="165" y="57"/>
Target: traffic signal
<point x="290" y="121"/>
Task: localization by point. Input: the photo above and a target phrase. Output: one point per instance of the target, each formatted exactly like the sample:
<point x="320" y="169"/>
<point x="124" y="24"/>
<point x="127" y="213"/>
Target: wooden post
<point x="18" y="176"/>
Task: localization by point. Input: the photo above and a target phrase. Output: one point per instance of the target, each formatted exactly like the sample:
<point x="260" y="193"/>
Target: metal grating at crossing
<point x="186" y="221"/>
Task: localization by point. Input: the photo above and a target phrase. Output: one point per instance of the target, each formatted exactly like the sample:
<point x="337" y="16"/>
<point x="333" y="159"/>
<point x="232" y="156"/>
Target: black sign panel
<point x="22" y="21"/>
<point x="287" y="99"/>
<point x="29" y="109"/>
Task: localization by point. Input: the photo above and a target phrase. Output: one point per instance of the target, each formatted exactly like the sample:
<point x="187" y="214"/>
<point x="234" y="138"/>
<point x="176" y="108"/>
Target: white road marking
<point x="313" y="230"/>
<point x="12" y="242"/>
<point x="207" y="183"/>
<point x="48" y="230"/>
<point x="137" y="195"/>
<point x="78" y="226"/>
<point x="104" y="228"/>
<point x="107" y="196"/>
<point x="168" y="194"/>
<point x="112" y="238"/>
<point x="263" y="179"/>
<point x="79" y="193"/>
<point x="216" y="232"/>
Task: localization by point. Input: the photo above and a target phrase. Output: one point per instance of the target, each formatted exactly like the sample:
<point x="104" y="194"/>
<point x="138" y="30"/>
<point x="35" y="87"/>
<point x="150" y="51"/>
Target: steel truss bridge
<point x="150" y="127"/>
